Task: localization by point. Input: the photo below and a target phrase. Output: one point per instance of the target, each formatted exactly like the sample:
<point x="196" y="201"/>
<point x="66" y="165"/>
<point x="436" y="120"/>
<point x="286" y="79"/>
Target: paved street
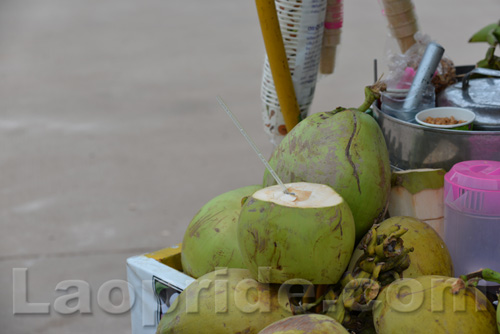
<point x="111" y="138"/>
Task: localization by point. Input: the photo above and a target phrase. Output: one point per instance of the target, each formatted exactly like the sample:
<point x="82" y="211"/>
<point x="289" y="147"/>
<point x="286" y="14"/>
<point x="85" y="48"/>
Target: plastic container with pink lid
<point x="472" y="215"/>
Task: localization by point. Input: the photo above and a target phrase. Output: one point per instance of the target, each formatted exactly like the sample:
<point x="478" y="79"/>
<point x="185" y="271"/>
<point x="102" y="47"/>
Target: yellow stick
<point x="278" y="62"/>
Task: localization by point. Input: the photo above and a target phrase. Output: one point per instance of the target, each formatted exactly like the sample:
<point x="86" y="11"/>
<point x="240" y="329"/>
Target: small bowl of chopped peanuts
<point x="452" y="118"/>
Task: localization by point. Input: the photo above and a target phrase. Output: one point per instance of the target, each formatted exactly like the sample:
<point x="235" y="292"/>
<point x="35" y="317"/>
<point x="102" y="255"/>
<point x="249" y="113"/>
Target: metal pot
<point x="482" y="96"/>
<point x="415" y="146"/>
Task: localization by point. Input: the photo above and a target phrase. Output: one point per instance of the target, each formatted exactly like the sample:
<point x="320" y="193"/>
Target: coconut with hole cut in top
<point x="308" y="234"/>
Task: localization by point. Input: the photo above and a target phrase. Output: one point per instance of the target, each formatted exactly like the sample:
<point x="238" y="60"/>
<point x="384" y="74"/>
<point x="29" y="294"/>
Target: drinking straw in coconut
<point x="402" y="21"/>
<point x="278" y="62"/>
<point x="331" y="35"/>
<point x="252" y="144"/>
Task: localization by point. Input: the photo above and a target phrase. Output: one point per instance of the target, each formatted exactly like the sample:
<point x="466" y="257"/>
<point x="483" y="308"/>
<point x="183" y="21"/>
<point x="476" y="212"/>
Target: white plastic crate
<point x="155" y="280"/>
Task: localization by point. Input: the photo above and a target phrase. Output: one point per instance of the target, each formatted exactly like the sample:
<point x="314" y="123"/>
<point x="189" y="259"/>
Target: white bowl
<point x="459" y="114"/>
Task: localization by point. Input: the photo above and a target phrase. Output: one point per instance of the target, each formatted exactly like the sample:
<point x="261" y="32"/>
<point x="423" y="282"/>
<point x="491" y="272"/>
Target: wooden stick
<point x="331" y="35"/>
<point x="278" y="62"/>
<point x="402" y="21"/>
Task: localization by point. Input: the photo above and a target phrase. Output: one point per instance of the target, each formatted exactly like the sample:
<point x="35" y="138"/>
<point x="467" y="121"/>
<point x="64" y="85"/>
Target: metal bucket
<point x="414" y="146"/>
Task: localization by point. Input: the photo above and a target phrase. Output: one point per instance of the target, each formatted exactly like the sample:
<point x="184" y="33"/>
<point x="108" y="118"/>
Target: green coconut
<point x="225" y="301"/>
<point x="210" y="239"/>
<point x="433" y="304"/>
<point x="344" y="149"/>
<point x="419" y="193"/>
<point x="430" y="256"/>
<point x="306" y="323"/>
<point x="308" y="234"/>
<point x="488" y="275"/>
<point x="498" y="313"/>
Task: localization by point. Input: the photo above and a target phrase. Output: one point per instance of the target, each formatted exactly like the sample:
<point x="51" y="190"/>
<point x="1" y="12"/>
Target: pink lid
<point x="476" y="175"/>
<point x="474" y="186"/>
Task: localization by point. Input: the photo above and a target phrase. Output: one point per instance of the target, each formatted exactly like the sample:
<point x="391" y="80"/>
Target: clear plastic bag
<point x="402" y="67"/>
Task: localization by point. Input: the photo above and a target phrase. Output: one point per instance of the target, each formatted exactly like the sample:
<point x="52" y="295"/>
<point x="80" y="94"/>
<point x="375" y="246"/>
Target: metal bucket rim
<point x="418" y="126"/>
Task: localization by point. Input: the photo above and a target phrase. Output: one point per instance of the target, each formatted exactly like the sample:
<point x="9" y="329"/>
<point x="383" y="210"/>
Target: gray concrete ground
<point x="111" y="138"/>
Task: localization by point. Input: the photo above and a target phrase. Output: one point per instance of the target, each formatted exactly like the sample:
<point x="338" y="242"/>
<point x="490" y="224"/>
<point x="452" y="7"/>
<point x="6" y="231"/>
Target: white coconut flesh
<point x="300" y="195"/>
<point x="419" y="193"/>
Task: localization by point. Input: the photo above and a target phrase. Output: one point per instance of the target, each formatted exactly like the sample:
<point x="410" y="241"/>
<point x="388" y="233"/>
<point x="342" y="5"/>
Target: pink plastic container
<point x="472" y="215"/>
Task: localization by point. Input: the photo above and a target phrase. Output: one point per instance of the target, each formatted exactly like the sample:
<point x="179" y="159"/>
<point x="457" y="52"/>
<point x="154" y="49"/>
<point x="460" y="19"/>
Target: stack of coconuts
<point x="270" y="261"/>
